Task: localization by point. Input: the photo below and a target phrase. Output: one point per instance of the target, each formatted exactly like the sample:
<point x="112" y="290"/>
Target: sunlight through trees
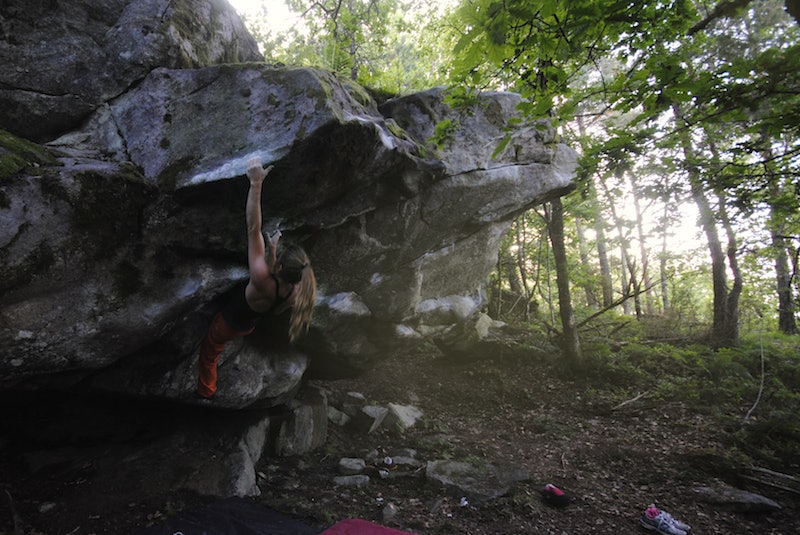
<point x="686" y="117"/>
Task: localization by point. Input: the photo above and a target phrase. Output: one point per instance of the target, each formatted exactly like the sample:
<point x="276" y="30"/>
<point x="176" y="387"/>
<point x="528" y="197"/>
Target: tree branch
<point x="725" y="8"/>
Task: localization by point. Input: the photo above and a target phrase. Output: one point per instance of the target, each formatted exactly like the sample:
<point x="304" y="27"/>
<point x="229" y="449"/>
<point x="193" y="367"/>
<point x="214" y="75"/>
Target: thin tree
<point x="725" y="327"/>
<point x="627" y="265"/>
<point x="570" y="342"/>
<point x="589" y="192"/>
<point x="783" y="209"/>
<point x="636" y="195"/>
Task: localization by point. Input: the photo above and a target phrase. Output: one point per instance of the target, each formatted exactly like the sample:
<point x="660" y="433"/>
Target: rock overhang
<point x="402" y="231"/>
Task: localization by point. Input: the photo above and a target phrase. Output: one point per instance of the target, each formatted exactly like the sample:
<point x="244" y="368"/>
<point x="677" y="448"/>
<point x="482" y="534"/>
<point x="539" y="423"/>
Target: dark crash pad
<point x="232" y="516"/>
<point x="356" y="526"/>
<point x="240" y="516"/>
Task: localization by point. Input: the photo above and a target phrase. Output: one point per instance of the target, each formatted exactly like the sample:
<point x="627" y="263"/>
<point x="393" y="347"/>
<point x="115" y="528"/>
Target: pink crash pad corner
<point x="354" y="526"/>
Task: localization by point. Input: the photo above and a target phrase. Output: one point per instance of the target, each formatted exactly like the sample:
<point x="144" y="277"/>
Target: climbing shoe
<point x="552" y="495"/>
<point x="662" y="522"/>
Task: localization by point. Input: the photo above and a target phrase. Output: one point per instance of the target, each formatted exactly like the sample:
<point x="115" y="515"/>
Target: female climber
<point x="276" y="283"/>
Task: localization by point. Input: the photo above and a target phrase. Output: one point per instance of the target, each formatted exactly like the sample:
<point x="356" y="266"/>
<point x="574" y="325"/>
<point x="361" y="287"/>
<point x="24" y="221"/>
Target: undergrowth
<point x="757" y="411"/>
<point x="751" y="391"/>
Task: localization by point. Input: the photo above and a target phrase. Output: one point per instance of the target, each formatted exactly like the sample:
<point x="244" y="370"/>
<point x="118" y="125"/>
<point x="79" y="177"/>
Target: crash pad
<point x="354" y="526"/>
<point x="242" y="516"/>
<point x="232" y="516"/>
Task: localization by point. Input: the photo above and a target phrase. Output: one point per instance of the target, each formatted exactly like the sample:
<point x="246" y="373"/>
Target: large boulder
<point x="61" y="60"/>
<point x="120" y="238"/>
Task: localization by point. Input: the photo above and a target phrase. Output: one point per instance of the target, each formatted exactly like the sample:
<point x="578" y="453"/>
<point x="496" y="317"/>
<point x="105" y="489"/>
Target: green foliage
<point x="443" y="132"/>
<point x="540" y="48"/>
<point x="392" y="46"/>
<point x="724" y="384"/>
<point x="773" y="439"/>
<point x="501" y="146"/>
<point x="771" y="434"/>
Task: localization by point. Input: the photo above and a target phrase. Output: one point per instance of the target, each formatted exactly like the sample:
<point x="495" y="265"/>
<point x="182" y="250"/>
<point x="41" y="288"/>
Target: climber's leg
<point x="219" y="333"/>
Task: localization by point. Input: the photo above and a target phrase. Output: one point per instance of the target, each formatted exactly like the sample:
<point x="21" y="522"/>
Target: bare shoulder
<point x="261" y="292"/>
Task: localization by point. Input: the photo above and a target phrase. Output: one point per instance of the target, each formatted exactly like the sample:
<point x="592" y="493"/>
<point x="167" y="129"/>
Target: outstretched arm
<point x="256" y="248"/>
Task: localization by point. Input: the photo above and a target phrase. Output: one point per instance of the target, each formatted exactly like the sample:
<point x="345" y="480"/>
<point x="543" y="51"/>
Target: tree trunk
<point x="777" y="222"/>
<point x="624" y="242"/>
<point x="602" y="258"/>
<point x="522" y="239"/>
<point x="634" y="285"/>
<point x="730" y="331"/>
<point x="588" y="289"/>
<point x="719" y="278"/>
<point x="643" y="253"/>
<point x="663" y="266"/>
<point x="570" y="342"/>
<point x="354" y="58"/>
<point x="496" y="297"/>
<point x="786" y="319"/>
<point x="606" y="283"/>
<point x="725" y="324"/>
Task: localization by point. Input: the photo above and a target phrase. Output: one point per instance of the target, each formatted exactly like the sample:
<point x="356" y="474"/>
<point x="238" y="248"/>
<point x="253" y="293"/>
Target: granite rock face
<point x="61" y="60"/>
<point x="121" y="235"/>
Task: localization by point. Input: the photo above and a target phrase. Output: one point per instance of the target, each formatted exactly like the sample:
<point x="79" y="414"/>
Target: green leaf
<point x="501" y="146"/>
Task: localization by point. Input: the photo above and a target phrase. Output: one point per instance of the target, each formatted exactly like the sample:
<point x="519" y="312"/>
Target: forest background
<point x="671" y="270"/>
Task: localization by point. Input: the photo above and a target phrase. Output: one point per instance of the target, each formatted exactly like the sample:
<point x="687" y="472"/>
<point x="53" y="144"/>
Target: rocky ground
<point x="614" y="456"/>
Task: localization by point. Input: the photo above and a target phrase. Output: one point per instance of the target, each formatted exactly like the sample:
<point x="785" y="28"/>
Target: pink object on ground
<point x="555" y="490"/>
<point x="354" y="526"/>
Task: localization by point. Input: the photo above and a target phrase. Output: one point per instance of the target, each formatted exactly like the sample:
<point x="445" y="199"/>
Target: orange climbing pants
<point x="219" y="334"/>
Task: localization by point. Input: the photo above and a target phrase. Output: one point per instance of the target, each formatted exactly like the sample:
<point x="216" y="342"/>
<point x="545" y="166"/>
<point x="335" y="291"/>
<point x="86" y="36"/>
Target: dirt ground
<point x="614" y="462"/>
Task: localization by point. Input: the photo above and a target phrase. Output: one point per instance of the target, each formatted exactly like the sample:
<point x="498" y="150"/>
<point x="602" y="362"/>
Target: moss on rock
<point x="17" y="153"/>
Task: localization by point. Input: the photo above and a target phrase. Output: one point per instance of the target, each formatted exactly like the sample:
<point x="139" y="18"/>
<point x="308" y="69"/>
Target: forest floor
<point x="614" y="454"/>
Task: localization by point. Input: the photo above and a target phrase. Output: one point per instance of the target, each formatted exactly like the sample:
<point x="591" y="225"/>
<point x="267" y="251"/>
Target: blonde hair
<point x="296" y="265"/>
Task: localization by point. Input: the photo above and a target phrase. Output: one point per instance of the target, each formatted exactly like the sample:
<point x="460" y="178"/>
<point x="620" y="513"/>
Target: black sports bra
<point x="278" y="299"/>
<point x="238" y="313"/>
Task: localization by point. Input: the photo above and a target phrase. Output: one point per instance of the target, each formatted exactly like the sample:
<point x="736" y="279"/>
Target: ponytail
<point x="303" y="307"/>
<point x="296" y="264"/>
